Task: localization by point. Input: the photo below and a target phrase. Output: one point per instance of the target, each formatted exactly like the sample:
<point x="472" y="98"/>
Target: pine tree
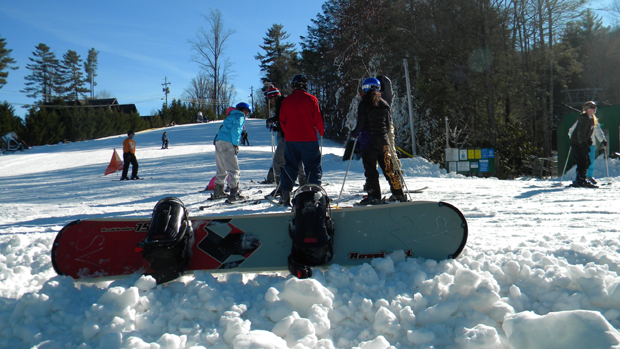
<point x="90" y="67"/>
<point x="9" y="121"/>
<point x="280" y="58"/>
<point x="72" y="76"/>
<point x="5" y="60"/>
<point x="43" y="79"/>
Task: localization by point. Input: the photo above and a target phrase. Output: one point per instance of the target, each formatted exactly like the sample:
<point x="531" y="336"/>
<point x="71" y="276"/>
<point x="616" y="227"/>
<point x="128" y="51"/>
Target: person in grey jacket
<point x="580" y="141"/>
<point x="226" y="150"/>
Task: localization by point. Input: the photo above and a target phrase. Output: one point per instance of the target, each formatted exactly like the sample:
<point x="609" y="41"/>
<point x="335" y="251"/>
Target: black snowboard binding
<point x="168" y="244"/>
<point x="311" y="229"/>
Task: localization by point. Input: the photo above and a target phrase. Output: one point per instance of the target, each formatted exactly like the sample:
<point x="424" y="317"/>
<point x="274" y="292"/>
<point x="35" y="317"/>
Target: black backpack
<point x="168" y="244"/>
<point x="311" y="230"/>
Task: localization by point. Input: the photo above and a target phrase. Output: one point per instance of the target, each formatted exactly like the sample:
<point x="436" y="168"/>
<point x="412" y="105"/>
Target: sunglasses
<point x="371" y="87"/>
<point x="593" y="107"/>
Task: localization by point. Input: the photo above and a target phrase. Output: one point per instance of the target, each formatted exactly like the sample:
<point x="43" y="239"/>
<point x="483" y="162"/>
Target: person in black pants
<point x="580" y="142"/>
<point x="164" y="141"/>
<point x="129" y="157"/>
<point x="373" y="125"/>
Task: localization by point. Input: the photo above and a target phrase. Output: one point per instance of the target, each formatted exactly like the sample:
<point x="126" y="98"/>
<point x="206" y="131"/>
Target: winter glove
<point x="604" y="144"/>
<point x="355" y="135"/>
<point x="271" y="123"/>
<point x="236" y="150"/>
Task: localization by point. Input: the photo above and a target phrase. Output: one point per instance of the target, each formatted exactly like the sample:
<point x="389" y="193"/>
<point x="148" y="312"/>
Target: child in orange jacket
<point x="129" y="156"/>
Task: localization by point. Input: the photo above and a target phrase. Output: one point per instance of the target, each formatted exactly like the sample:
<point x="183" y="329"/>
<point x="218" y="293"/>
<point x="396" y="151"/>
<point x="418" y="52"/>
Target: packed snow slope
<point x="540" y="269"/>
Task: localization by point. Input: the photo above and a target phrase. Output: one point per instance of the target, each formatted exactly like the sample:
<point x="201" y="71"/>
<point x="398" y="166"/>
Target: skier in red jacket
<point x="300" y="119"/>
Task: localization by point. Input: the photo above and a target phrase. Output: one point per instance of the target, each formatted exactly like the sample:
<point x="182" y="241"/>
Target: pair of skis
<point x="255" y="201"/>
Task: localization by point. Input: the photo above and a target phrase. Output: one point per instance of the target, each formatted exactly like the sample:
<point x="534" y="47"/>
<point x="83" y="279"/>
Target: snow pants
<point x="582" y="158"/>
<point x="378" y="151"/>
<point x="279" y="162"/>
<point x="130" y="158"/>
<point x="226" y="162"/>
<point x="296" y="153"/>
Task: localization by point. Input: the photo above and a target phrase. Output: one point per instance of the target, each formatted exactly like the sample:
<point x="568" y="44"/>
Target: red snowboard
<point x="92" y="248"/>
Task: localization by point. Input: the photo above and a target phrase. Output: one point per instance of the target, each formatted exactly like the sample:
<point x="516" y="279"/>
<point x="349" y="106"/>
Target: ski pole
<point x="606" y="164"/>
<point x="321" y="151"/>
<point x="272" y="143"/>
<point x="566" y="163"/>
<point x="345" y="175"/>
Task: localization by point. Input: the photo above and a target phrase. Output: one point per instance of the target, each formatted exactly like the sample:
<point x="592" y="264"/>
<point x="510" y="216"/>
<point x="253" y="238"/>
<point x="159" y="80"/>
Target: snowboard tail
<point x="93" y="248"/>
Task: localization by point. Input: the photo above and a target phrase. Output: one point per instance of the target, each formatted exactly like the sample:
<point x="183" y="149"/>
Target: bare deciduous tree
<point x="199" y="91"/>
<point x="208" y="47"/>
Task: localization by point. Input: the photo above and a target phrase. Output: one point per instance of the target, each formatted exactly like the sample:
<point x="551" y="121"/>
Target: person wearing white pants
<point x="226" y="150"/>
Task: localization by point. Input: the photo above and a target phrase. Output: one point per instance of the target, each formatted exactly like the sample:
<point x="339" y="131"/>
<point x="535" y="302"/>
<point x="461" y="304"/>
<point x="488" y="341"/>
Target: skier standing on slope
<point x="273" y="123"/>
<point x="129" y="157"/>
<point x="226" y="150"/>
<point x="373" y="125"/>
<point x="597" y="135"/>
<point x="244" y="137"/>
<point x="164" y="141"/>
<point x="300" y="119"/>
<point x="581" y="140"/>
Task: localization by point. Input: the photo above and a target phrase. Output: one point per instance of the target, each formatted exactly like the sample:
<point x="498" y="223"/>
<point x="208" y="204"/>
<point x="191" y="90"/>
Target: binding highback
<point x="311" y="230"/>
<point x="168" y="244"/>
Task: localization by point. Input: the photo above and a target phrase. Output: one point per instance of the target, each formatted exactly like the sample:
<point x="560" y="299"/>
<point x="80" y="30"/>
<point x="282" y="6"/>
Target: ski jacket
<point x="231" y="127"/>
<point x="597" y="133"/>
<point x="275" y="120"/>
<point x="582" y="134"/>
<point x="129" y="146"/>
<point x="371" y="119"/>
<point x="300" y="117"/>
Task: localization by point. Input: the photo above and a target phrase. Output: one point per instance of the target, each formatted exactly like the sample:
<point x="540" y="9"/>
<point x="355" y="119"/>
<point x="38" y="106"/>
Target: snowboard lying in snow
<point x="93" y="248"/>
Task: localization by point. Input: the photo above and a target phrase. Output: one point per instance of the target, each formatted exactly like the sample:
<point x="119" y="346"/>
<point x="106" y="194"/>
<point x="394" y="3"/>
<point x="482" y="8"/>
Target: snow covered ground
<point x="540" y="269"/>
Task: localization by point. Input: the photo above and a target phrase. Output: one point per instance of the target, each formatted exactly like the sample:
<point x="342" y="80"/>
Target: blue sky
<point x="142" y="42"/>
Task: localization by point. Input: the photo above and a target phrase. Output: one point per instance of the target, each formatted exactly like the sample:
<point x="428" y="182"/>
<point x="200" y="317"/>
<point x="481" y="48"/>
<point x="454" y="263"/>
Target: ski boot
<point x="583" y="182"/>
<point x="369" y="200"/>
<point x="218" y="192"/>
<point x="398" y="198"/>
<point x="285" y="199"/>
<point x="589" y="184"/>
<point x="235" y="195"/>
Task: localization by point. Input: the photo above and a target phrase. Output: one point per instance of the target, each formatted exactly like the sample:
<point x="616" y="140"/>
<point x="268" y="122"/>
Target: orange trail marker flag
<point x="116" y="164"/>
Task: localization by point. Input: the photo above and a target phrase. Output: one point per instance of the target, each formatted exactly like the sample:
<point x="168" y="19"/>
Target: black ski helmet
<point x="299" y="81"/>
